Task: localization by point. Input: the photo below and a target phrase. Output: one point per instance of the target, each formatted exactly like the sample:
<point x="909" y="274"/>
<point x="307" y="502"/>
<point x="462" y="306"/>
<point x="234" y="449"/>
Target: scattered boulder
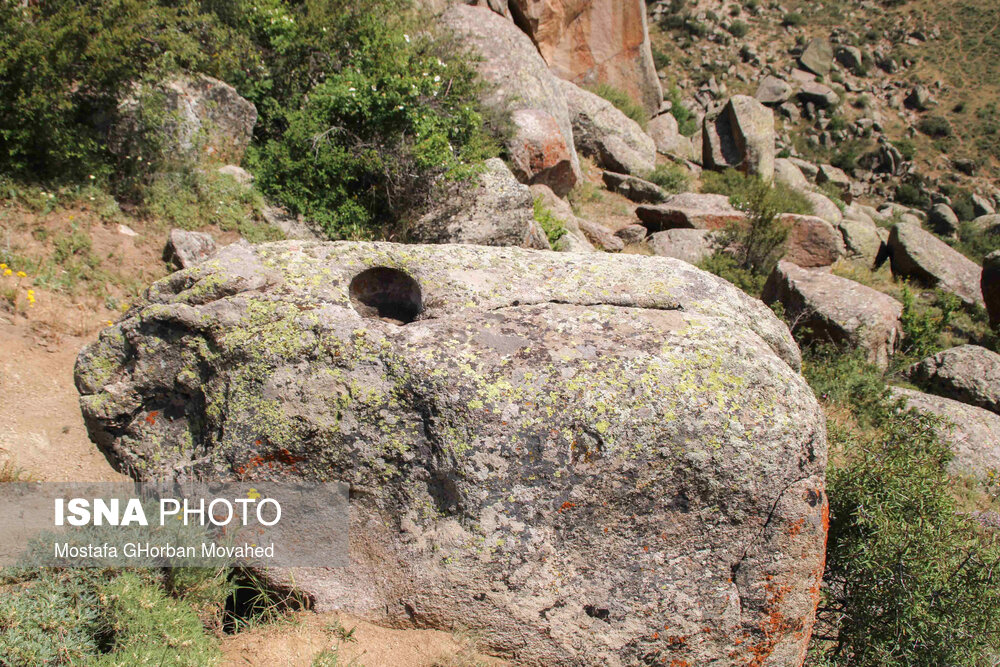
<point x="773" y="91"/>
<point x="668" y="138"/>
<point x="538" y="152"/>
<point x="821" y="95"/>
<point x="689" y="245"/>
<point x="689" y="210"/>
<point x="920" y="99"/>
<point x="987" y="223"/>
<point x="967" y="373"/>
<point x="594" y="41"/>
<point x="601" y="131"/>
<point x="543" y="425"/>
<point x="494" y="209"/>
<point x="741" y="136"/>
<point x="786" y="172"/>
<point x="185" y="249"/>
<point x="943" y="220"/>
<point x="633" y="188"/>
<point x="808" y="169"/>
<point x="990" y="285"/>
<point x="817" y="57"/>
<point x="828" y="308"/>
<point x="982" y="206"/>
<point x="835" y="175"/>
<point x="632" y="234"/>
<point x="918" y="254"/>
<point x="812" y="241"/>
<point x="861" y="240"/>
<point x="202" y="119"/>
<point x="973" y="434"/>
<point x="520" y="80"/>
<point x="824" y="207"/>
<point x="850" y="57"/>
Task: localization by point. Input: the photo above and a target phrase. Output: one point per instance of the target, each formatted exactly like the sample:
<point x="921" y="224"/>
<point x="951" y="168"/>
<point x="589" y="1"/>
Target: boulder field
<point x="584" y="459"/>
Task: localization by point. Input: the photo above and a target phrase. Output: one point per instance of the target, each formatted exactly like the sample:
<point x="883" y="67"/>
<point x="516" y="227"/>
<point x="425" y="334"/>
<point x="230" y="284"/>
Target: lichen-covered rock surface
<point x="583" y="459"/>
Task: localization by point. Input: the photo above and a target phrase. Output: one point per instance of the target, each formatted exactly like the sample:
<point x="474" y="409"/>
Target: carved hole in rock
<point x="388" y="294"/>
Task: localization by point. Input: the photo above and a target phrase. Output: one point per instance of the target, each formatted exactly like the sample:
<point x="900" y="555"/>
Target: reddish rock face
<point x="812" y="241"/>
<point x="538" y="153"/>
<point x="594" y="41"/>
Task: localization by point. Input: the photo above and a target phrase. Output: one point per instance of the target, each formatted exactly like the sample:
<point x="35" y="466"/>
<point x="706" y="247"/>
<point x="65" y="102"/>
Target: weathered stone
<point x="990" y="285"/>
<point x="812" y="241"/>
<point x="973" y="434"/>
<point x="574" y="240"/>
<point x="808" y="169"/>
<point x="632" y="234"/>
<point x="773" y="91"/>
<point x="817" y="56"/>
<point x="186" y="248"/>
<point x="835" y="175"/>
<point x="786" y="172"/>
<point x="689" y="210"/>
<point x="921" y="255"/>
<point x="519" y="80"/>
<point x="594" y="41"/>
<point x="202" y="119"/>
<point x="601" y="131"/>
<point x="538" y="153"/>
<point x="989" y="223"/>
<point x="494" y="209"/>
<point x="982" y="206"/>
<point x="741" y="136"/>
<point x="967" y="373"/>
<point x="668" y="138"/>
<point x="943" y="220"/>
<point x="689" y="245"/>
<point x="850" y="57"/>
<point x="824" y="207"/>
<point x="821" y="95"/>
<point x="828" y="308"/>
<point x="861" y="240"/>
<point x="543" y="427"/>
<point x="633" y="187"/>
<point x="920" y="98"/>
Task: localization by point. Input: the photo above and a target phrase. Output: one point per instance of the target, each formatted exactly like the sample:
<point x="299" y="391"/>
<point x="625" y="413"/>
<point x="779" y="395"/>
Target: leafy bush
<point x="623" y="102"/>
<point x="552" y="226"/>
<point x="739" y="29"/>
<point x="977" y="242"/>
<point x="728" y="268"/>
<point x="737" y="186"/>
<point x="935" y="126"/>
<point x="793" y="19"/>
<point x="660" y="59"/>
<point x="670" y="176"/>
<point x="906" y="148"/>
<point x="924" y="326"/>
<point x="909" y="580"/>
<point x="758" y="242"/>
<point x="687" y="124"/>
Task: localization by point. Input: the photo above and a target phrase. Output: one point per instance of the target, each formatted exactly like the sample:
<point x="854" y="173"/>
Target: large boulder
<point x="741" y="136"/>
<point x="493" y="209"/>
<point x="773" y="91"/>
<point x="786" y="172"/>
<point x="828" y="308"/>
<point x="689" y="245"/>
<point x="581" y="459"/>
<point x="918" y="254"/>
<point x="594" y="41"/>
<point x="812" y="241"/>
<point x="966" y="373"/>
<point x="520" y="80"/>
<point x="973" y="434"/>
<point x="197" y="118"/>
<point x="861" y="240"/>
<point x="668" y="138"/>
<point x="823" y="207"/>
<point x="817" y="57"/>
<point x="689" y="210"/>
<point x="601" y="131"/>
<point x="634" y="188"/>
<point x="943" y="220"/>
<point x="990" y="285"/>
<point x="539" y="153"/>
<point x="822" y="96"/>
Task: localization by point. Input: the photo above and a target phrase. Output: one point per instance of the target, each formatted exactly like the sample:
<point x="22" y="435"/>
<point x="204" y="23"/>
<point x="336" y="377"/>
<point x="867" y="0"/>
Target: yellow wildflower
<point x="22" y="274"/>
<point x="3" y="266"/>
<point x="8" y="272"/>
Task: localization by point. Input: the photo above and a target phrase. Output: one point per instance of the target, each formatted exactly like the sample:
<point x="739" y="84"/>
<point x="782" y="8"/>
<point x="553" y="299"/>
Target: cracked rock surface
<point x="583" y="459"/>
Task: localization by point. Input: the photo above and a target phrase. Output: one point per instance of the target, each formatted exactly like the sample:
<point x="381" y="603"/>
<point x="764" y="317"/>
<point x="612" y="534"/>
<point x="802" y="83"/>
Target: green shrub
<point x="660" y="59"/>
<point x="553" y="227"/>
<point x="728" y="268"/>
<point x="977" y="242"/>
<point x="739" y="29"/>
<point x="935" y="126"/>
<point x="908" y="580"/>
<point x="923" y="326"/>
<point x="687" y="124"/>
<point x="670" y="176"/>
<point x="623" y="102"/>
<point x="793" y="19"/>
<point x="736" y="185"/>
<point x="906" y="148"/>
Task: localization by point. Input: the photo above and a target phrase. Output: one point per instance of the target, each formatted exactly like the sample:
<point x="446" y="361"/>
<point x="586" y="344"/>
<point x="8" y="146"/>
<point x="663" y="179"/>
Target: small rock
<point x="185" y="249"/>
<point x="689" y="210"/>
<point x="125" y="230"/>
<point x="821" y="95"/>
<point x="786" y="172"/>
<point x="967" y="373"/>
<point x="943" y="220"/>
<point x="632" y="234"/>
<point x="830" y="174"/>
<point x="824" y="207"/>
<point x="633" y="188"/>
<point x="773" y="91"/>
<point x="812" y="241"/>
<point x="982" y="206"/>
<point x="689" y="245"/>
<point x="668" y="138"/>
<point x="239" y="174"/>
<point x="818" y="56"/>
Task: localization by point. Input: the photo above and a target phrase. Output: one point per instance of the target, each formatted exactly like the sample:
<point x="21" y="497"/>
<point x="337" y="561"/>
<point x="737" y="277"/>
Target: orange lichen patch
<point x="796" y="527"/>
<point x="566" y="505"/>
<point x="151" y="417"/>
<point x="677" y="662"/>
<point x="279" y="460"/>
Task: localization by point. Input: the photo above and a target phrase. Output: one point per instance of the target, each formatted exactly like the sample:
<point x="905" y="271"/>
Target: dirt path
<point x="41" y="429"/>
